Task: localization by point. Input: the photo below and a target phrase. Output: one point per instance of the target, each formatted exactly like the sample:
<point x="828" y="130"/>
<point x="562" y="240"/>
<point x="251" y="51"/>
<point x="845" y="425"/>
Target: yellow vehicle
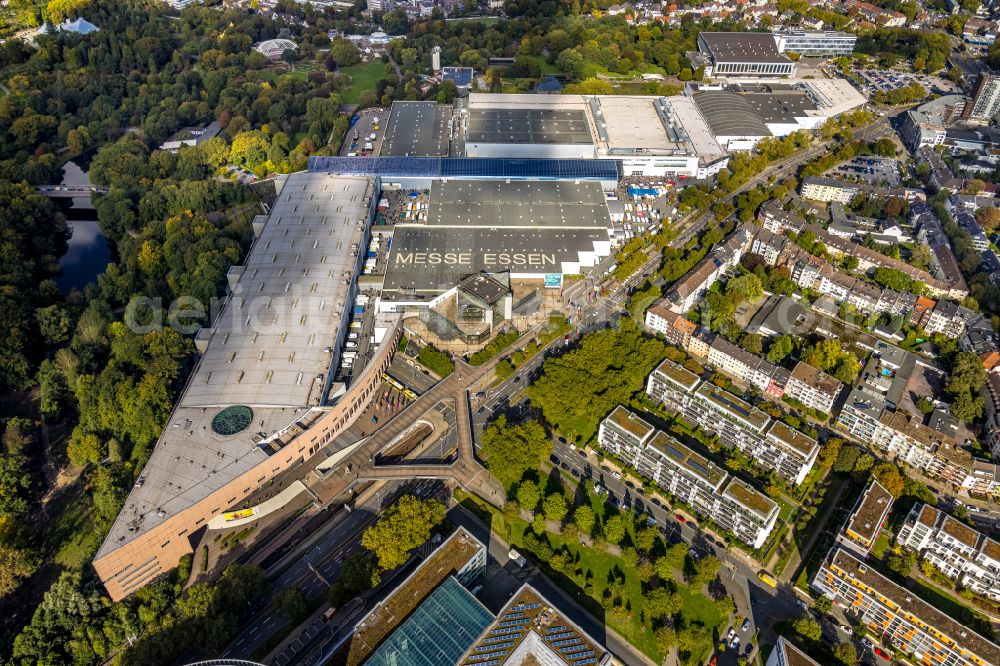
<point x="768" y="578"/>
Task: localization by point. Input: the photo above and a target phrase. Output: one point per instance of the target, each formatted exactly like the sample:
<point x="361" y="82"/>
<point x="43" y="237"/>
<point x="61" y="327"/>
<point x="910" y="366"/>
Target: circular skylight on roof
<point x="232" y="420"/>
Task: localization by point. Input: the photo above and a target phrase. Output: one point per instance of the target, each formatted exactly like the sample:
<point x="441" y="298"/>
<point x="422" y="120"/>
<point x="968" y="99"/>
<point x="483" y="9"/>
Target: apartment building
<point x="899" y="617"/>
<point x="819" y="188"/>
<point x="901" y="435"/>
<point x="776" y="219"/>
<point x="962" y="554"/>
<point x="985" y="99"/>
<point x="689" y="477"/>
<point x="688" y="290"/>
<point x="869" y="259"/>
<point x="867" y="518"/>
<point x="768" y="245"/>
<point x="813" y="387"/>
<point x="675" y="327"/>
<point x="739" y="425"/>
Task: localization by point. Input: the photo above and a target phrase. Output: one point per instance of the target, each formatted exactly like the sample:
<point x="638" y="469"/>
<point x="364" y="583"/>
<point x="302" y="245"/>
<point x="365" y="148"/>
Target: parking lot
<point x="877" y="80"/>
<point x="870" y="169"/>
<point x="357" y="136"/>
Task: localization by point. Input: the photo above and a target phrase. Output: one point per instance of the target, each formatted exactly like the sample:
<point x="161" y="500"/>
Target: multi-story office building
<point x="961" y="553"/>
<point x="985" y="99"/>
<point x="899" y="617"/>
<point x="689" y="477"/>
<point x="769" y="443"/>
<point x="866" y="520"/>
<point x="815" y="43"/>
<point x="813" y="387"/>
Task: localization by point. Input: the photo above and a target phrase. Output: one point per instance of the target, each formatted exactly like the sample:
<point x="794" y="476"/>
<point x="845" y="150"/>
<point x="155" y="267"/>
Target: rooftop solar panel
<point x="469" y="167"/>
<point x="462" y="76"/>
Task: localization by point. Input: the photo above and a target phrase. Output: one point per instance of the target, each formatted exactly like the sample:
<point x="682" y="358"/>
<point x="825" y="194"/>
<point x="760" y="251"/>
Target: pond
<point x="89" y="252"/>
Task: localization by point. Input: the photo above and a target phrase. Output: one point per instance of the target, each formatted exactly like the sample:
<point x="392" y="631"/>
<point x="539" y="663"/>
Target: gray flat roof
<point x="293" y="289"/>
<point x="417" y="129"/>
<point x="526" y="204"/>
<point x="730" y="114"/>
<point x="780" y="107"/>
<point x="494" y="226"/>
<point x="542" y="126"/>
<point x="757" y="47"/>
<point x="435" y="259"/>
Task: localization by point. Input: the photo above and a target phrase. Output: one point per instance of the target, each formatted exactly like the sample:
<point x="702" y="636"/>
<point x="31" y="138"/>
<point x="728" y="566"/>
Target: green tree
<point x="666" y="638"/>
<point x="807" y="628"/>
<point x="646" y="538"/>
<point x="661" y="603"/>
<point x="406" y="525"/>
<point x="292" y="603"/>
<point x="614" y="529"/>
<point x="780" y="348"/>
<point x="528" y="494"/>
<point x="846" y="654"/>
<point x="745" y="288"/>
<point x="555" y="507"/>
<point x="510" y="451"/>
<point x="705" y="570"/>
<point x="583" y="516"/>
<point x="358" y="573"/>
<point x="16" y="564"/>
<point x="54" y="323"/>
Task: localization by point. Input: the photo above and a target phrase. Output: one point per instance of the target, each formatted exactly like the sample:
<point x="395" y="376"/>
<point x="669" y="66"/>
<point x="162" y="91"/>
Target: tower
<point x="436" y="60"/>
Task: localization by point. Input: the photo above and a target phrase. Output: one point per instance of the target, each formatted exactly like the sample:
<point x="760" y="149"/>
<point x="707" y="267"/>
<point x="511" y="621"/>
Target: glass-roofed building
<point x="439" y="631"/>
<point x="432" y="619"/>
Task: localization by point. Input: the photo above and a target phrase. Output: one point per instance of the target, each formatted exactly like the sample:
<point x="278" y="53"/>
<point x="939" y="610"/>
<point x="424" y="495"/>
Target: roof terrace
<point x="629" y="422"/>
<point x="743" y="494"/>
<point x="683" y="378"/>
<point x="687" y="459"/>
<point x="733" y="406"/>
<point x="783" y="434"/>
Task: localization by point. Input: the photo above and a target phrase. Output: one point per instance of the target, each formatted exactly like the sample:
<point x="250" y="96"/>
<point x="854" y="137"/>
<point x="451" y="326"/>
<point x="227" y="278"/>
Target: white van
<point x="351" y="344"/>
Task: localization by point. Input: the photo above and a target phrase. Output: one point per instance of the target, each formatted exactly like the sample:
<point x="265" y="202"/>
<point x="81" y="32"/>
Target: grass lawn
<point x="263" y="75"/>
<point x="543" y="64"/>
<point x="881" y="544"/>
<point x="72" y="534"/>
<point x="635" y="627"/>
<point x="363" y="77"/>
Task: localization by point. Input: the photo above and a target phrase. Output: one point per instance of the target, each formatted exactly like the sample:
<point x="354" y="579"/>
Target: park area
<point x="648" y="610"/>
<point x="364" y="76"/>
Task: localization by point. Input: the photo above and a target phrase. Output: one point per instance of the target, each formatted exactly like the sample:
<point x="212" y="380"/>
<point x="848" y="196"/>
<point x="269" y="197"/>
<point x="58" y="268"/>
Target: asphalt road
<point x="761" y="604"/>
<point x="309" y="568"/>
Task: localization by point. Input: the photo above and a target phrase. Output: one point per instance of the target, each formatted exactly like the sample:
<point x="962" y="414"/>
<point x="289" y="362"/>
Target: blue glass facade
<point x="438" y="632"/>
